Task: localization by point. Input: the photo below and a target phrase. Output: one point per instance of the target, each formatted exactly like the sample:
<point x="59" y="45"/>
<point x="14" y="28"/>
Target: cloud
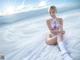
<point x="42" y="4"/>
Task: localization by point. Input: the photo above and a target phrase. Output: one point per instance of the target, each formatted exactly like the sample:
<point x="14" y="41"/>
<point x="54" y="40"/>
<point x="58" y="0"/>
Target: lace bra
<point x="55" y="24"/>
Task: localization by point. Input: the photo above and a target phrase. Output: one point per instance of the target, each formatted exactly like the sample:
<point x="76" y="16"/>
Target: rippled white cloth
<point x="25" y="40"/>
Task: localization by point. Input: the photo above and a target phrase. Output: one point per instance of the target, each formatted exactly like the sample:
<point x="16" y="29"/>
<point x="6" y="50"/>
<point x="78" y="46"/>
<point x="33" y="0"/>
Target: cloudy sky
<point x="11" y="6"/>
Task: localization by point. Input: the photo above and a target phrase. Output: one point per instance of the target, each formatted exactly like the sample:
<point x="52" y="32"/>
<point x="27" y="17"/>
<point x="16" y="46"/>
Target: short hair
<point x="53" y="7"/>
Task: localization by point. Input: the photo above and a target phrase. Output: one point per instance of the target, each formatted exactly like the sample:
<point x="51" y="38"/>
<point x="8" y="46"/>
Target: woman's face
<point x="52" y="12"/>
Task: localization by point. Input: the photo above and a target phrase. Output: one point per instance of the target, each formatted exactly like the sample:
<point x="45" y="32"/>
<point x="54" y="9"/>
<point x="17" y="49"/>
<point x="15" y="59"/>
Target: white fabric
<point x="63" y="50"/>
<point x="25" y="39"/>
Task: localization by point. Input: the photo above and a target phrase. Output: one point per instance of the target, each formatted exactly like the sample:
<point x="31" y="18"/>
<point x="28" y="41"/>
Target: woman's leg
<point x="60" y="43"/>
<point x="63" y="50"/>
<point x="51" y="40"/>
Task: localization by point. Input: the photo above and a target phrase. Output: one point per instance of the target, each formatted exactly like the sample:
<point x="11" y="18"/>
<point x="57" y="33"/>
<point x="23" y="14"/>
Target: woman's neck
<point x="54" y="17"/>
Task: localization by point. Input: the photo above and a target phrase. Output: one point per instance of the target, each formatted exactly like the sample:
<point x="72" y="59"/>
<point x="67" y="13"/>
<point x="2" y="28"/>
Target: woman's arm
<point x="61" y="25"/>
<point x="49" y="25"/>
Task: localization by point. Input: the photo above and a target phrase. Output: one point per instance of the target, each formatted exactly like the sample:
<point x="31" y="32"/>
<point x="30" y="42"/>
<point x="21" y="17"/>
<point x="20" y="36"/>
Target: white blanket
<point x="25" y="40"/>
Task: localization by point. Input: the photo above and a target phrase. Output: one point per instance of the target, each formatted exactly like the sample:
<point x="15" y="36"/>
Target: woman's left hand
<point x="62" y="32"/>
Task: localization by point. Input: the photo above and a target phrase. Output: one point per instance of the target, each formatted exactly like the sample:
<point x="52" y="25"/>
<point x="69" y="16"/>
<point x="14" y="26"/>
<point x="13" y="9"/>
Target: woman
<point x="55" y="37"/>
<point x="55" y="25"/>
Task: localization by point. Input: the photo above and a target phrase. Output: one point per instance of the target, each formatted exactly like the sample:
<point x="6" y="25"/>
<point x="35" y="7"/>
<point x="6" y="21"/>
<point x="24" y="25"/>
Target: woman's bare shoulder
<point x="60" y="19"/>
<point x="48" y="20"/>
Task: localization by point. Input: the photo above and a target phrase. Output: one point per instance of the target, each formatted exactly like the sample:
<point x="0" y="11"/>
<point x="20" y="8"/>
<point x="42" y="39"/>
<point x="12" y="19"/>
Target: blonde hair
<point x="52" y="7"/>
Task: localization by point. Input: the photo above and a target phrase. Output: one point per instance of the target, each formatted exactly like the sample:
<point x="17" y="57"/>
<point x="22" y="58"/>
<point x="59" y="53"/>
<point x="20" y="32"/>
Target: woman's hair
<point x="52" y="7"/>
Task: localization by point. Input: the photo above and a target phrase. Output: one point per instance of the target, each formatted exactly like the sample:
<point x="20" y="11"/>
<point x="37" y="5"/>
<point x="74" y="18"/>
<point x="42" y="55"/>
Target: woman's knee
<point x="52" y="41"/>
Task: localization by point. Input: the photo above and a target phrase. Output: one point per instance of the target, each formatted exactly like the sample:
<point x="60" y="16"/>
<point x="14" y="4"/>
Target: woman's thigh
<point x="52" y="39"/>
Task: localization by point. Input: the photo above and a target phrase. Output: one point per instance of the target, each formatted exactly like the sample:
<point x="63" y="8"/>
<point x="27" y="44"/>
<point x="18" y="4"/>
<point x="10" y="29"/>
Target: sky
<point x="10" y="6"/>
<point x="13" y="6"/>
<point x="15" y="3"/>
